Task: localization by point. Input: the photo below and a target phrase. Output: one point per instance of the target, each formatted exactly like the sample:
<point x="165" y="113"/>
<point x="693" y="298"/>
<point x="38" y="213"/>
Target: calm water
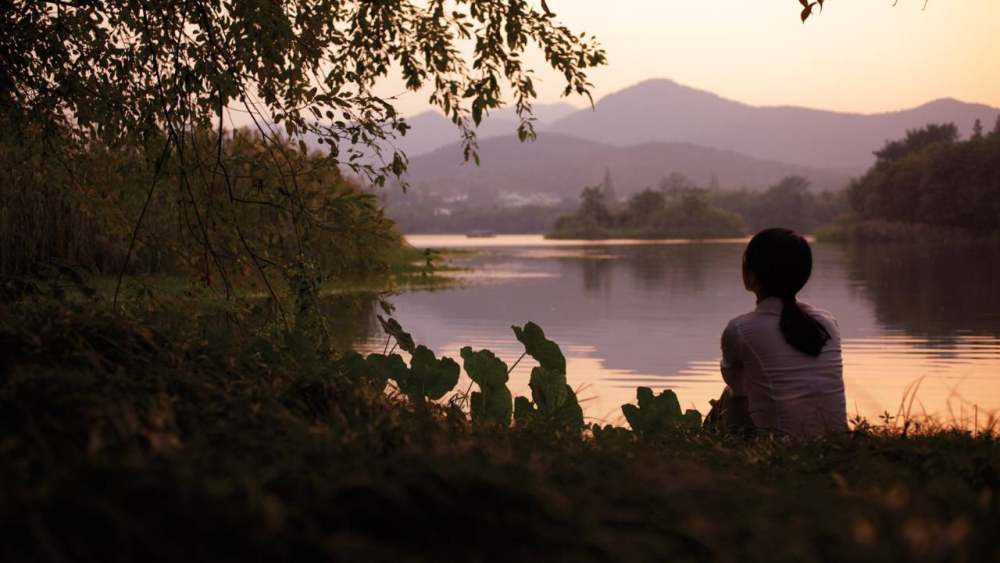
<point x="630" y="313"/>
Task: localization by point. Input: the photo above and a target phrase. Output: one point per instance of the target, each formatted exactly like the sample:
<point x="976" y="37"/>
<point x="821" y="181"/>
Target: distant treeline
<point x="930" y="182"/>
<point x="789" y="203"/>
<point x="648" y="214"/>
<point x="679" y="209"/>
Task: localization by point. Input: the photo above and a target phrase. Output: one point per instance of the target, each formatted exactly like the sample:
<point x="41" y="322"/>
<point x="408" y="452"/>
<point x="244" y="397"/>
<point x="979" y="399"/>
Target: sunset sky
<point x="858" y="55"/>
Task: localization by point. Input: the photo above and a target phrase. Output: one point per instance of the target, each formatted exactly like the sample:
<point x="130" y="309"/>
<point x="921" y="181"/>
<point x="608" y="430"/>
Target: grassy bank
<point x="407" y="268"/>
<point x="403" y="267"/>
<point x="198" y="439"/>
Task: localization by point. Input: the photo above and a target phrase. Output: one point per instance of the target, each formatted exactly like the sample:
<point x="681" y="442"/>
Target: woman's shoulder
<point x="749" y="323"/>
<point x="735" y="322"/>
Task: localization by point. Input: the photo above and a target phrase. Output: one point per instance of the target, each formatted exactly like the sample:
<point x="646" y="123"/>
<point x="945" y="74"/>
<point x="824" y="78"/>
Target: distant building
<point x="457" y="198"/>
<point x="515" y="199"/>
<point x="608" y="187"/>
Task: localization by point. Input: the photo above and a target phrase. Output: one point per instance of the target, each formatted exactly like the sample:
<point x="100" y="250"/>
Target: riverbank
<point x="126" y="440"/>
<point x="403" y="268"/>
<point x="722" y="227"/>
<point x="408" y="268"/>
<point x="898" y="232"/>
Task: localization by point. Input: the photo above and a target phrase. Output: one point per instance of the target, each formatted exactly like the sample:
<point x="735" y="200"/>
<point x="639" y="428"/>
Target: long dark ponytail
<point x="781" y="262"/>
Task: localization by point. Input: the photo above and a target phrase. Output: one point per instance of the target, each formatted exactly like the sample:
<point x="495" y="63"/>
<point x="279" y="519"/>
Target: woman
<point x="781" y="362"/>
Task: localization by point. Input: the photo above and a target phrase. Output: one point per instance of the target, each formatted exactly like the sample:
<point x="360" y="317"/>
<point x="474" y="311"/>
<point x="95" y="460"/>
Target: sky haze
<point x="856" y="56"/>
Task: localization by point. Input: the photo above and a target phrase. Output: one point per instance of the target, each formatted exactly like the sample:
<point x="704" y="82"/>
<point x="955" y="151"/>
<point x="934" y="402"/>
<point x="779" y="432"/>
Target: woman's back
<point x="784" y="358"/>
<point x="788" y="391"/>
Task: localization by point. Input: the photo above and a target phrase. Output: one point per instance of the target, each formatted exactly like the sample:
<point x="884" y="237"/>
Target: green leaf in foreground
<point x="524" y="411"/>
<point x="392" y="327"/>
<point x="376" y="369"/>
<point x="428" y="377"/>
<point x="492" y="404"/>
<point x="553" y="400"/>
<point x="656" y="414"/>
<point x="543" y="350"/>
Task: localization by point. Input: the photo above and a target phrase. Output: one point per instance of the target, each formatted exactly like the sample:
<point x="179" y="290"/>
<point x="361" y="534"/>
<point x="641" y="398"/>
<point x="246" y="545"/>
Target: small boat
<point x="480" y="234"/>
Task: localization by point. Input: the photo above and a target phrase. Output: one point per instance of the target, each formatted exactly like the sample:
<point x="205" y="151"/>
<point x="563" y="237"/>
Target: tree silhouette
<point x="977" y="130"/>
<point x="940" y="182"/>
<point x="108" y="70"/>
<point x="594" y="206"/>
<point x="158" y="75"/>
<point x="809" y="6"/>
<point x="916" y="140"/>
<point x="675" y="183"/>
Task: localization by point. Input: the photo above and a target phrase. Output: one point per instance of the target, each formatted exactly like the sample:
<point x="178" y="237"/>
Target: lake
<point x="921" y="327"/>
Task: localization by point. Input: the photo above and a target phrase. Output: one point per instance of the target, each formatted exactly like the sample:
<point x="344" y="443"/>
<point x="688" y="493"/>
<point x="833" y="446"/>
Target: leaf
<point x="387" y="307"/>
<point x="524" y="411"/>
<point x="484" y="368"/>
<point x="383" y="368"/>
<point x="543" y="350"/>
<point x="692" y="418"/>
<point x="807" y="10"/>
<point x="375" y="369"/>
<point x="548" y="388"/>
<point x="491" y="406"/>
<point x="393" y="328"/>
<point x="656" y="414"/>
<point x="554" y="398"/>
<point x="428" y="377"/>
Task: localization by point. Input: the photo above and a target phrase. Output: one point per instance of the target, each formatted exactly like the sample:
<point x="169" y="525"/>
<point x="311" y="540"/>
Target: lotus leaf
<point x="484" y="368"/>
<point x="375" y="369"/>
<point x="392" y="327"/>
<point x="491" y="406"/>
<point x="553" y="398"/>
<point x="524" y="411"/>
<point x="428" y="377"/>
<point x="543" y="350"/>
<point x="656" y="414"/>
<point x="493" y="403"/>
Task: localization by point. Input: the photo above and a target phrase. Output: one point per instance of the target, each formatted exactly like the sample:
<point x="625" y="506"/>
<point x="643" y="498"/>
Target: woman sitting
<point x="781" y="362"/>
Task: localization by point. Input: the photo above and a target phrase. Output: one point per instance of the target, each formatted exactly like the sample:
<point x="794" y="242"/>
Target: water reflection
<point x="941" y="292"/>
<point x="630" y="314"/>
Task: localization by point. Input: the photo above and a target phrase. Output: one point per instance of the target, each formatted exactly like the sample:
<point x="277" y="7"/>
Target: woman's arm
<point x="732" y="364"/>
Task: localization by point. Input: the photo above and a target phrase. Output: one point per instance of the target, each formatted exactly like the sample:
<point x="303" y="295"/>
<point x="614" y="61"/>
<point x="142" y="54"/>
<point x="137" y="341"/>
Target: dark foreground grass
<point x="119" y="442"/>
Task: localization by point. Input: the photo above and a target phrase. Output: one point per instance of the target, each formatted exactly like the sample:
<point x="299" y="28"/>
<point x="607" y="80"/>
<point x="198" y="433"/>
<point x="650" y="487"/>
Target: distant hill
<point x="431" y="130"/>
<point x="562" y="165"/>
<point x="665" y="111"/>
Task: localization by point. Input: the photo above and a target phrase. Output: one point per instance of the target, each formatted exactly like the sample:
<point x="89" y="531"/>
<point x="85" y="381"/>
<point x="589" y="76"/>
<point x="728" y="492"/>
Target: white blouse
<point x="788" y="391"/>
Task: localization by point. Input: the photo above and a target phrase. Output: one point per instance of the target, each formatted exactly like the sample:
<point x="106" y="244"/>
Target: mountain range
<point x="431" y="130"/>
<point x="663" y="110"/>
<point x="561" y="165"/>
<point x="656" y="127"/>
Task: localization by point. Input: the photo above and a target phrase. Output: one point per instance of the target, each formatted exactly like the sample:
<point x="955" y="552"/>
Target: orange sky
<point x="859" y="55"/>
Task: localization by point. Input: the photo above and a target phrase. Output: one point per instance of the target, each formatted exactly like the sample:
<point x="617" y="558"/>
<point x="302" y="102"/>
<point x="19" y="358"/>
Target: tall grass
<point x="252" y="209"/>
<point x="42" y="215"/>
